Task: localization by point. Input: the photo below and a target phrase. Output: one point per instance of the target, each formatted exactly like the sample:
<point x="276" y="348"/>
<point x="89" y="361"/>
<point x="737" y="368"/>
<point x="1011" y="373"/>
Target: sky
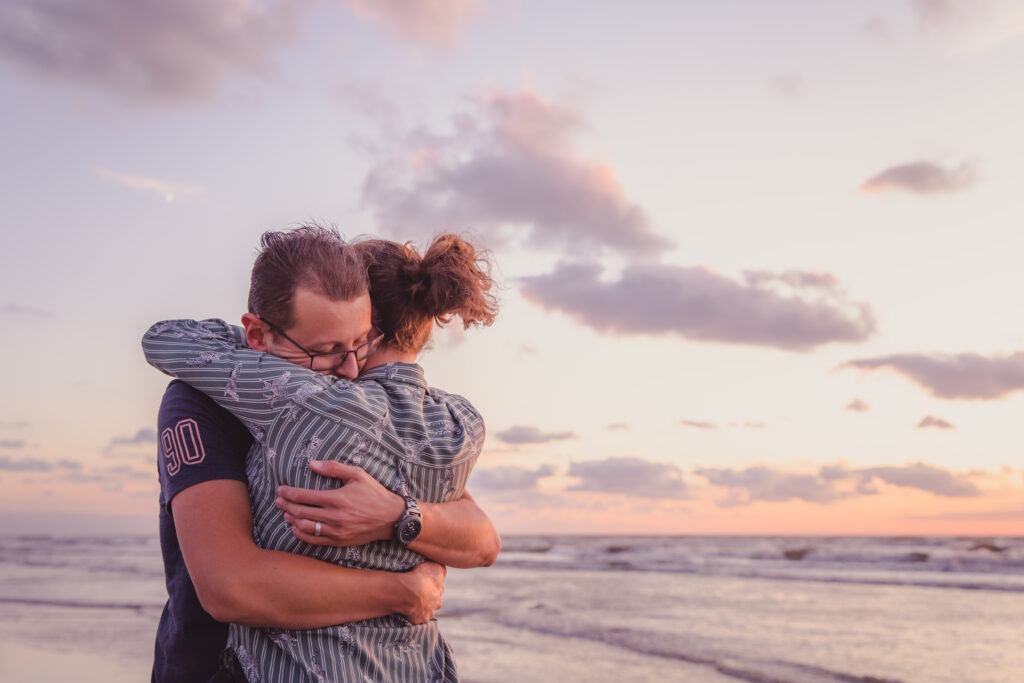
<point x="758" y="261"/>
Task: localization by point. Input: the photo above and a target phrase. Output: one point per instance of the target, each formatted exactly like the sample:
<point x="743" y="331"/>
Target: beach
<point x="584" y="609"/>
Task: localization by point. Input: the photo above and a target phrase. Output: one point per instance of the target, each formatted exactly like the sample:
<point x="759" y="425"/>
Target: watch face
<point x="409" y="530"/>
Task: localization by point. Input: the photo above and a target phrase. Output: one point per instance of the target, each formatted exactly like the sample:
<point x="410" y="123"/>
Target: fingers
<point x="425" y="613"/>
<point x="335" y="469"/>
<point x="300" y="511"/>
<point x="299" y="496"/>
<point x="305" y="530"/>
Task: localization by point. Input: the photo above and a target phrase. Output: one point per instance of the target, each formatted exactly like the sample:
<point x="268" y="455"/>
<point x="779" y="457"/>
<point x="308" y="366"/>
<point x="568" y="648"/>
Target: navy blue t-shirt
<point x="199" y="441"/>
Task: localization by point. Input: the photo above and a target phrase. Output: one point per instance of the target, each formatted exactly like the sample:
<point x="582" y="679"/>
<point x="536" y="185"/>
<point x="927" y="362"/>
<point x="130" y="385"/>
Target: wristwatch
<point x="410" y="524"/>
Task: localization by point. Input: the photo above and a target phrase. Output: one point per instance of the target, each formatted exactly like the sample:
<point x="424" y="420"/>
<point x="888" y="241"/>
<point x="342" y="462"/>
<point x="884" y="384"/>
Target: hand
<point x="359" y="512"/>
<point x="426" y="585"/>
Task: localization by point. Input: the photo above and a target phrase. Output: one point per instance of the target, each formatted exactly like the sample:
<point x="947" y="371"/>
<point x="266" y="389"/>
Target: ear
<point x="257" y="334"/>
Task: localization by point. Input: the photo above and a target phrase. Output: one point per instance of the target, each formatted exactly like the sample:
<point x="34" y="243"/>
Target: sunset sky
<point x="759" y="260"/>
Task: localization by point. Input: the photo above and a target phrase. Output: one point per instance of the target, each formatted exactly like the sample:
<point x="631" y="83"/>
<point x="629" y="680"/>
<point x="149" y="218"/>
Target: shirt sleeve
<point x="257" y="387"/>
<point x="198" y="441"/>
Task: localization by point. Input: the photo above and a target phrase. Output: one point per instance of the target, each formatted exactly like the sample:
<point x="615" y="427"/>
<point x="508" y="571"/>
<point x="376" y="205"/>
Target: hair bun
<point x="410" y="291"/>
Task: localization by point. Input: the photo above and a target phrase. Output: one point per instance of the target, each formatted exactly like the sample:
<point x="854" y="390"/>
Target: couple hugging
<point x="313" y="486"/>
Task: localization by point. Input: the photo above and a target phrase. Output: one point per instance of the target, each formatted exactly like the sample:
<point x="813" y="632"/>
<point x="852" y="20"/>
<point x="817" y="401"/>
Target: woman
<point x="417" y="441"/>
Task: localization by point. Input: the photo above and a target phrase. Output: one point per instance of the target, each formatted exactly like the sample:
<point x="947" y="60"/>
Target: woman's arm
<point x="256" y="387"/>
<point x="237" y="581"/>
<point x="460" y="532"/>
<point x="457" y="533"/>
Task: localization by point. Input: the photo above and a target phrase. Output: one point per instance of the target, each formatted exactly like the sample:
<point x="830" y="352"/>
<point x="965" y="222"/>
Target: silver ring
<point x="316" y="528"/>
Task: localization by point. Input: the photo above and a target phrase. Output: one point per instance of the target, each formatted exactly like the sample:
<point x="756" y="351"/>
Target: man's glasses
<point x="329" y="361"/>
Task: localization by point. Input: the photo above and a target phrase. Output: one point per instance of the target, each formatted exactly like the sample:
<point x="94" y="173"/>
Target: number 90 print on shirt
<point x="182" y="445"/>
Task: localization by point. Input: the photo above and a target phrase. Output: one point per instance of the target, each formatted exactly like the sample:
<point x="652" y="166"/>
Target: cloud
<point x="857" y="406"/>
<point x="509" y="478"/>
<point x="795" y="310"/>
<point x="960" y="376"/>
<point x="12" y="444"/>
<point x="168" y="190"/>
<point x="508" y="168"/>
<point x="34" y="464"/>
<point x="877" y="28"/>
<point x="832" y="483"/>
<point x="932" y="14"/>
<point x="929" y="421"/>
<point x="698" y="424"/>
<point x="116" y="475"/>
<point x="143" y="437"/>
<point x="629" y="476"/>
<point x="924" y="478"/>
<point x="27" y="311"/>
<point x="766" y="484"/>
<point x="434" y="23"/>
<point x="369" y="99"/>
<point x="970" y="26"/>
<point x="922" y="177"/>
<point x="146" y="50"/>
<point x="25" y="464"/>
<point x="790" y="85"/>
<point x="520" y="434"/>
<point x="15" y="309"/>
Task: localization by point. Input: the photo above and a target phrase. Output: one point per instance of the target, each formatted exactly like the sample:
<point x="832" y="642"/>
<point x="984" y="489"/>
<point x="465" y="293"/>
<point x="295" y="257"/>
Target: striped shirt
<point x="413" y="439"/>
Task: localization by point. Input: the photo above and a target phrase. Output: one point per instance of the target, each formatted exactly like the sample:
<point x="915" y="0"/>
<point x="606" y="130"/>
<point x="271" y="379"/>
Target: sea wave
<point x="736" y="665"/>
<point x="80" y="604"/>
<point x="970" y="563"/>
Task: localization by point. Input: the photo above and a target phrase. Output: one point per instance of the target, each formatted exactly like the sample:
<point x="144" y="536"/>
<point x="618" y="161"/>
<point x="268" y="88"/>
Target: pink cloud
<point x="960" y="376"/>
<point x="932" y="422"/>
<point x="794" y="310"/>
<point x="922" y="177"/>
<point x="789" y="85"/>
<point x="435" y="23"/>
<point x="146" y="50"/>
<point x="509" y="163"/>
<point x="833" y="483"/>
<point x="528" y="434"/>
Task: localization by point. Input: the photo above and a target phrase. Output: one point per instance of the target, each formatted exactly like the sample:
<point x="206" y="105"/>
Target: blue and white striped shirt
<point x="413" y="439"/>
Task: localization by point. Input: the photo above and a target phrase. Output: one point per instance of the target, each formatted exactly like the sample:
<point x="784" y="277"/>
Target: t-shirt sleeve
<point x="198" y="441"/>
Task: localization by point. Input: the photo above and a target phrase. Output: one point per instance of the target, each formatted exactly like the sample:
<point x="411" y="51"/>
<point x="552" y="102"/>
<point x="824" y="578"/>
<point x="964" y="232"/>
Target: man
<point x="310" y="291"/>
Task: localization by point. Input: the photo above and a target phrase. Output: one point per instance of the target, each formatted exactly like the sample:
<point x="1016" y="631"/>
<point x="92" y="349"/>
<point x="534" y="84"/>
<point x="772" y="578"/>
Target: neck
<point x="388" y="354"/>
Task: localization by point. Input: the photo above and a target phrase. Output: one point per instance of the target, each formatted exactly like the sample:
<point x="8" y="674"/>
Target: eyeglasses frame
<point x="370" y="345"/>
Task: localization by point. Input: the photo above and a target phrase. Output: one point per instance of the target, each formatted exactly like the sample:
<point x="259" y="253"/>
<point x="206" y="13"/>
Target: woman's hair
<point x="309" y="256"/>
<point x="410" y="291"/>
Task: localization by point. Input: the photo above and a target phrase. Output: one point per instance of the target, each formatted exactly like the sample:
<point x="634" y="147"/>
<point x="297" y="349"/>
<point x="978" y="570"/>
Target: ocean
<point x="585" y="609"/>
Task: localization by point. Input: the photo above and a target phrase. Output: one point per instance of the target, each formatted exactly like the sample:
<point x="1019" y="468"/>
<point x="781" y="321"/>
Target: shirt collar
<point x="408" y="373"/>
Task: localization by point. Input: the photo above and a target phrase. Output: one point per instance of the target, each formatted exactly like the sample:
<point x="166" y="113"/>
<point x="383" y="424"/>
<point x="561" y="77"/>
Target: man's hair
<point x="410" y="291"/>
<point x="309" y="256"/>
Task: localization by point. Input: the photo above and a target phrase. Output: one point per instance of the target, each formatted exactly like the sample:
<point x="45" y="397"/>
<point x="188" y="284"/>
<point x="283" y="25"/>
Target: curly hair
<point x="410" y="291"/>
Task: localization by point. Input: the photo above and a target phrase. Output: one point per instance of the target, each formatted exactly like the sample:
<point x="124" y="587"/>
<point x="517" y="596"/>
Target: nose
<point x="349" y="368"/>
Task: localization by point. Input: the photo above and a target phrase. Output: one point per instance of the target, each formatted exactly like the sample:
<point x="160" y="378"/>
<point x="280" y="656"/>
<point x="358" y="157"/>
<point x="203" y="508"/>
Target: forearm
<point x="457" y="534"/>
<point x="212" y="356"/>
<point x="237" y="581"/>
<point x="283" y="590"/>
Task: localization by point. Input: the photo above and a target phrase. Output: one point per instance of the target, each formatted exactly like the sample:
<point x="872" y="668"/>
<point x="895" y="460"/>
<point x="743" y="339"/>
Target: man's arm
<point x="457" y="534"/>
<point x="237" y="581"/>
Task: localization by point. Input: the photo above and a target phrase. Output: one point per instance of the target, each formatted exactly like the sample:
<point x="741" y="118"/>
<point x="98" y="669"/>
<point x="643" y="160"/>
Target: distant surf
<point x="586" y="609"/>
